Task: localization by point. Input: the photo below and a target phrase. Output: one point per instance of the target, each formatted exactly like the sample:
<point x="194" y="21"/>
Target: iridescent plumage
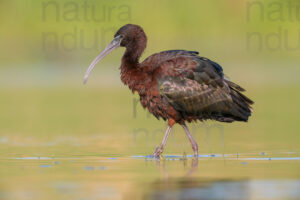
<point x="177" y="85"/>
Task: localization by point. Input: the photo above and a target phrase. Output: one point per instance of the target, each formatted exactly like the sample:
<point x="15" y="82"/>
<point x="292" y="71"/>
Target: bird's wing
<point x="195" y="86"/>
<point x="157" y="59"/>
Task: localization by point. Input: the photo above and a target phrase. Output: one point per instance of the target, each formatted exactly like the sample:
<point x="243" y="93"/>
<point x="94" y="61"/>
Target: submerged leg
<point x="192" y="140"/>
<point x="160" y="149"/>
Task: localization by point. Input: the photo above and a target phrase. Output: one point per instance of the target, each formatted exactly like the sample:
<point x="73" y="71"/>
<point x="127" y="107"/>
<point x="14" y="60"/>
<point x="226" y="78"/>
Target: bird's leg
<point x="160" y="149"/>
<point x="192" y="140"/>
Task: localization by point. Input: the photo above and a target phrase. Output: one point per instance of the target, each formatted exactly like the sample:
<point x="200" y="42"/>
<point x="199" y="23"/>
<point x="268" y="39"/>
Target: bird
<point x="178" y="86"/>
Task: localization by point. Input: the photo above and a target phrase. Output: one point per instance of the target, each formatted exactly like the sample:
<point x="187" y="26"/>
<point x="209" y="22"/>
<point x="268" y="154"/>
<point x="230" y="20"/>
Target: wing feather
<point x="195" y="86"/>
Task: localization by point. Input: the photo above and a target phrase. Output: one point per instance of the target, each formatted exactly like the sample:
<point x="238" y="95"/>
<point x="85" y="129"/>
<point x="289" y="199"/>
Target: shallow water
<point x="212" y="176"/>
<point x="93" y="144"/>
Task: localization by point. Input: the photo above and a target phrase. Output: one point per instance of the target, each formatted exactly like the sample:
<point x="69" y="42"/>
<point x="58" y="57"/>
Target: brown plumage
<point x="177" y="85"/>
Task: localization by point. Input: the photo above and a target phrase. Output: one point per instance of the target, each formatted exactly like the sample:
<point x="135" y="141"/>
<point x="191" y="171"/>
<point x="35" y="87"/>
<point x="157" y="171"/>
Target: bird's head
<point x="130" y="36"/>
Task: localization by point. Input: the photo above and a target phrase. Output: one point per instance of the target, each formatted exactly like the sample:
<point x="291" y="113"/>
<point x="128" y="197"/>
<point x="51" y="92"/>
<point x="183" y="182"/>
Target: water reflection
<point x="164" y="173"/>
<point x="189" y="187"/>
<point x="193" y="188"/>
<point x="211" y="176"/>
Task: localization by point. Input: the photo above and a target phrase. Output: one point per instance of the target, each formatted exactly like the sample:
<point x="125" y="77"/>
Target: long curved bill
<point x="113" y="45"/>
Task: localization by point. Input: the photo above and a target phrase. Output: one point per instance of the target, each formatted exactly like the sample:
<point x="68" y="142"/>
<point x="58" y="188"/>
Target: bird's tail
<point x="242" y="104"/>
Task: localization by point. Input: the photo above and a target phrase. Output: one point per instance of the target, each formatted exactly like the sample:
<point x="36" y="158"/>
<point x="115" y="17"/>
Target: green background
<point x="83" y="130"/>
<point x="46" y="46"/>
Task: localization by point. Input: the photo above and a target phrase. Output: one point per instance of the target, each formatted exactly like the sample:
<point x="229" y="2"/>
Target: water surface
<point x="211" y="176"/>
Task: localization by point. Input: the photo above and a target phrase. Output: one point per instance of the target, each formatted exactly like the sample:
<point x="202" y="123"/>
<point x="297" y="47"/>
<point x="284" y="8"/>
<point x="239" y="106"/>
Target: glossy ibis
<point x="177" y="85"/>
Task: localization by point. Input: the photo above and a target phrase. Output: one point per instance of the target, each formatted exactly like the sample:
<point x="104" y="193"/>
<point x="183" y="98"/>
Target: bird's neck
<point x="131" y="73"/>
<point x="134" y="50"/>
<point x="130" y="59"/>
<point x="133" y="53"/>
<point x="131" y="70"/>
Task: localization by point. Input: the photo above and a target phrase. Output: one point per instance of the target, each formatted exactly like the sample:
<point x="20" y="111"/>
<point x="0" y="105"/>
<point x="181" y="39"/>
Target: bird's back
<point x="196" y="88"/>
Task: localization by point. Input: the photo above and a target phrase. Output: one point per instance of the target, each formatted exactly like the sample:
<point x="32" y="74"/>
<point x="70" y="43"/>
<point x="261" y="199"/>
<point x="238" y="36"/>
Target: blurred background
<point x="47" y="45"/>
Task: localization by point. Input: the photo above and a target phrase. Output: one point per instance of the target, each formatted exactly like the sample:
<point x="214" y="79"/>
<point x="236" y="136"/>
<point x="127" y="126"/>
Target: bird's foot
<point x="195" y="149"/>
<point x="158" y="152"/>
<point x="196" y="154"/>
